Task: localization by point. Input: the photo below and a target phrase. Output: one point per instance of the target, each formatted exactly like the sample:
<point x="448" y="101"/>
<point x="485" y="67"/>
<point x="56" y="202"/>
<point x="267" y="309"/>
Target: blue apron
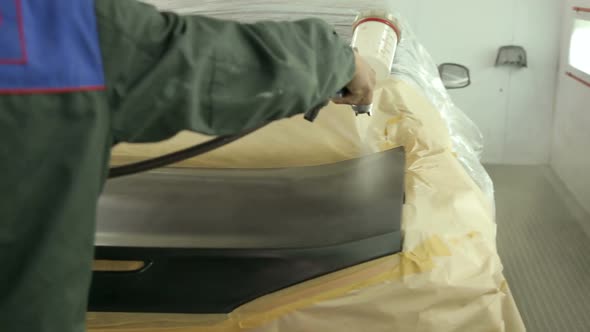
<point x="49" y="46"/>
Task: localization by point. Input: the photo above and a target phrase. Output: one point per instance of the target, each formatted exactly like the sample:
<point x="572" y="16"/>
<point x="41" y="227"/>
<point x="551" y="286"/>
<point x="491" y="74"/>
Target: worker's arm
<point x="168" y="72"/>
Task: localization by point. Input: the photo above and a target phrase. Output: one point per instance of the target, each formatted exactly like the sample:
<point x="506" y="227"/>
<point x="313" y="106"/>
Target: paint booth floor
<point x="544" y="248"/>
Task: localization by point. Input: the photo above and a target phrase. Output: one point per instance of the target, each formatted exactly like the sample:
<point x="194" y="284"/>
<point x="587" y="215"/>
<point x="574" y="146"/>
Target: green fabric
<point x="165" y="73"/>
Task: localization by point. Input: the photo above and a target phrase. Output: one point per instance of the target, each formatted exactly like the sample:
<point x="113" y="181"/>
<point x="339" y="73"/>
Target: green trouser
<point x="165" y="73"/>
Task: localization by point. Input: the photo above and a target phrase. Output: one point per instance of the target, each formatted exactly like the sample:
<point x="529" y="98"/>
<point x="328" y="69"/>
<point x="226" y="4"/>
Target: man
<point x="77" y="77"/>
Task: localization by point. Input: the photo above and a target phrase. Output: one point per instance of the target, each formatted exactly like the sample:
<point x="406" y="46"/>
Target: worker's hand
<point x="360" y="89"/>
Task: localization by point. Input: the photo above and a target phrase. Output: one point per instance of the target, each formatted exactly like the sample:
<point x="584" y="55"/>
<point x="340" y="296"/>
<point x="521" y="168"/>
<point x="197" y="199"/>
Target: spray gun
<point x="312" y="114"/>
<point x="375" y="37"/>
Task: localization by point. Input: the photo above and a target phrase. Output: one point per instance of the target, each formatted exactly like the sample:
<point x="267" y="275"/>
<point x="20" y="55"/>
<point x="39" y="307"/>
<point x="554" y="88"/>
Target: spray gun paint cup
<point x="375" y="37"/>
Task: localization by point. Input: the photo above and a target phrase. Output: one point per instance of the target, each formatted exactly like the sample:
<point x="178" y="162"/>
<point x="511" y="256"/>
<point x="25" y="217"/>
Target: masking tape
<point x="273" y="306"/>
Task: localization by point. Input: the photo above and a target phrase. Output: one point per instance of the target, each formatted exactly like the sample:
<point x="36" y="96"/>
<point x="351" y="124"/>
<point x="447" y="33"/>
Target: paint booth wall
<point x="571" y="145"/>
<point x="512" y="107"/>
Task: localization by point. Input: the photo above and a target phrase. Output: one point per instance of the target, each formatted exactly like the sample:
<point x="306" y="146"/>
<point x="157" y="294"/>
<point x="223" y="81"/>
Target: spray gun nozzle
<point x="358" y="109"/>
<point x="362" y="109"/>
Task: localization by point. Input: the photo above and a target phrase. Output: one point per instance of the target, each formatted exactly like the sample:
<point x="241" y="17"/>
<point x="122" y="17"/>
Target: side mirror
<point x="454" y="76"/>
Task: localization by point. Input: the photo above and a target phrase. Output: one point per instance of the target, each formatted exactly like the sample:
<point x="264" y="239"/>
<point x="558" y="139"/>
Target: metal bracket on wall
<point x="512" y="55"/>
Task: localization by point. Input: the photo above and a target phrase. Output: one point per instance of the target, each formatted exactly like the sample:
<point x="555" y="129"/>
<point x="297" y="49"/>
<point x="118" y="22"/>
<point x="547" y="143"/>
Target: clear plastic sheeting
<point x="412" y="62"/>
<point x="339" y="13"/>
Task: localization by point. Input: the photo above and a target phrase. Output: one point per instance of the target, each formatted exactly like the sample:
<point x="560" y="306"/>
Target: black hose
<point x="174" y="157"/>
<point x="194" y="151"/>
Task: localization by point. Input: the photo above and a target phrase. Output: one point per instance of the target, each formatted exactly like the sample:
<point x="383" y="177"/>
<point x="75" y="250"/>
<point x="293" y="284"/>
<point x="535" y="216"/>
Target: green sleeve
<point x="168" y="72"/>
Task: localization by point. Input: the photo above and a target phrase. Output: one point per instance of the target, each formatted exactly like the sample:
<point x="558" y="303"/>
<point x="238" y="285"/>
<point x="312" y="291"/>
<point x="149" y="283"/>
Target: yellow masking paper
<point x="448" y="277"/>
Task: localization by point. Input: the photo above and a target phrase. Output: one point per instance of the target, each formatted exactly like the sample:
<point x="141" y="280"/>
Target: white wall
<point x="513" y="107"/>
<point x="571" y="146"/>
